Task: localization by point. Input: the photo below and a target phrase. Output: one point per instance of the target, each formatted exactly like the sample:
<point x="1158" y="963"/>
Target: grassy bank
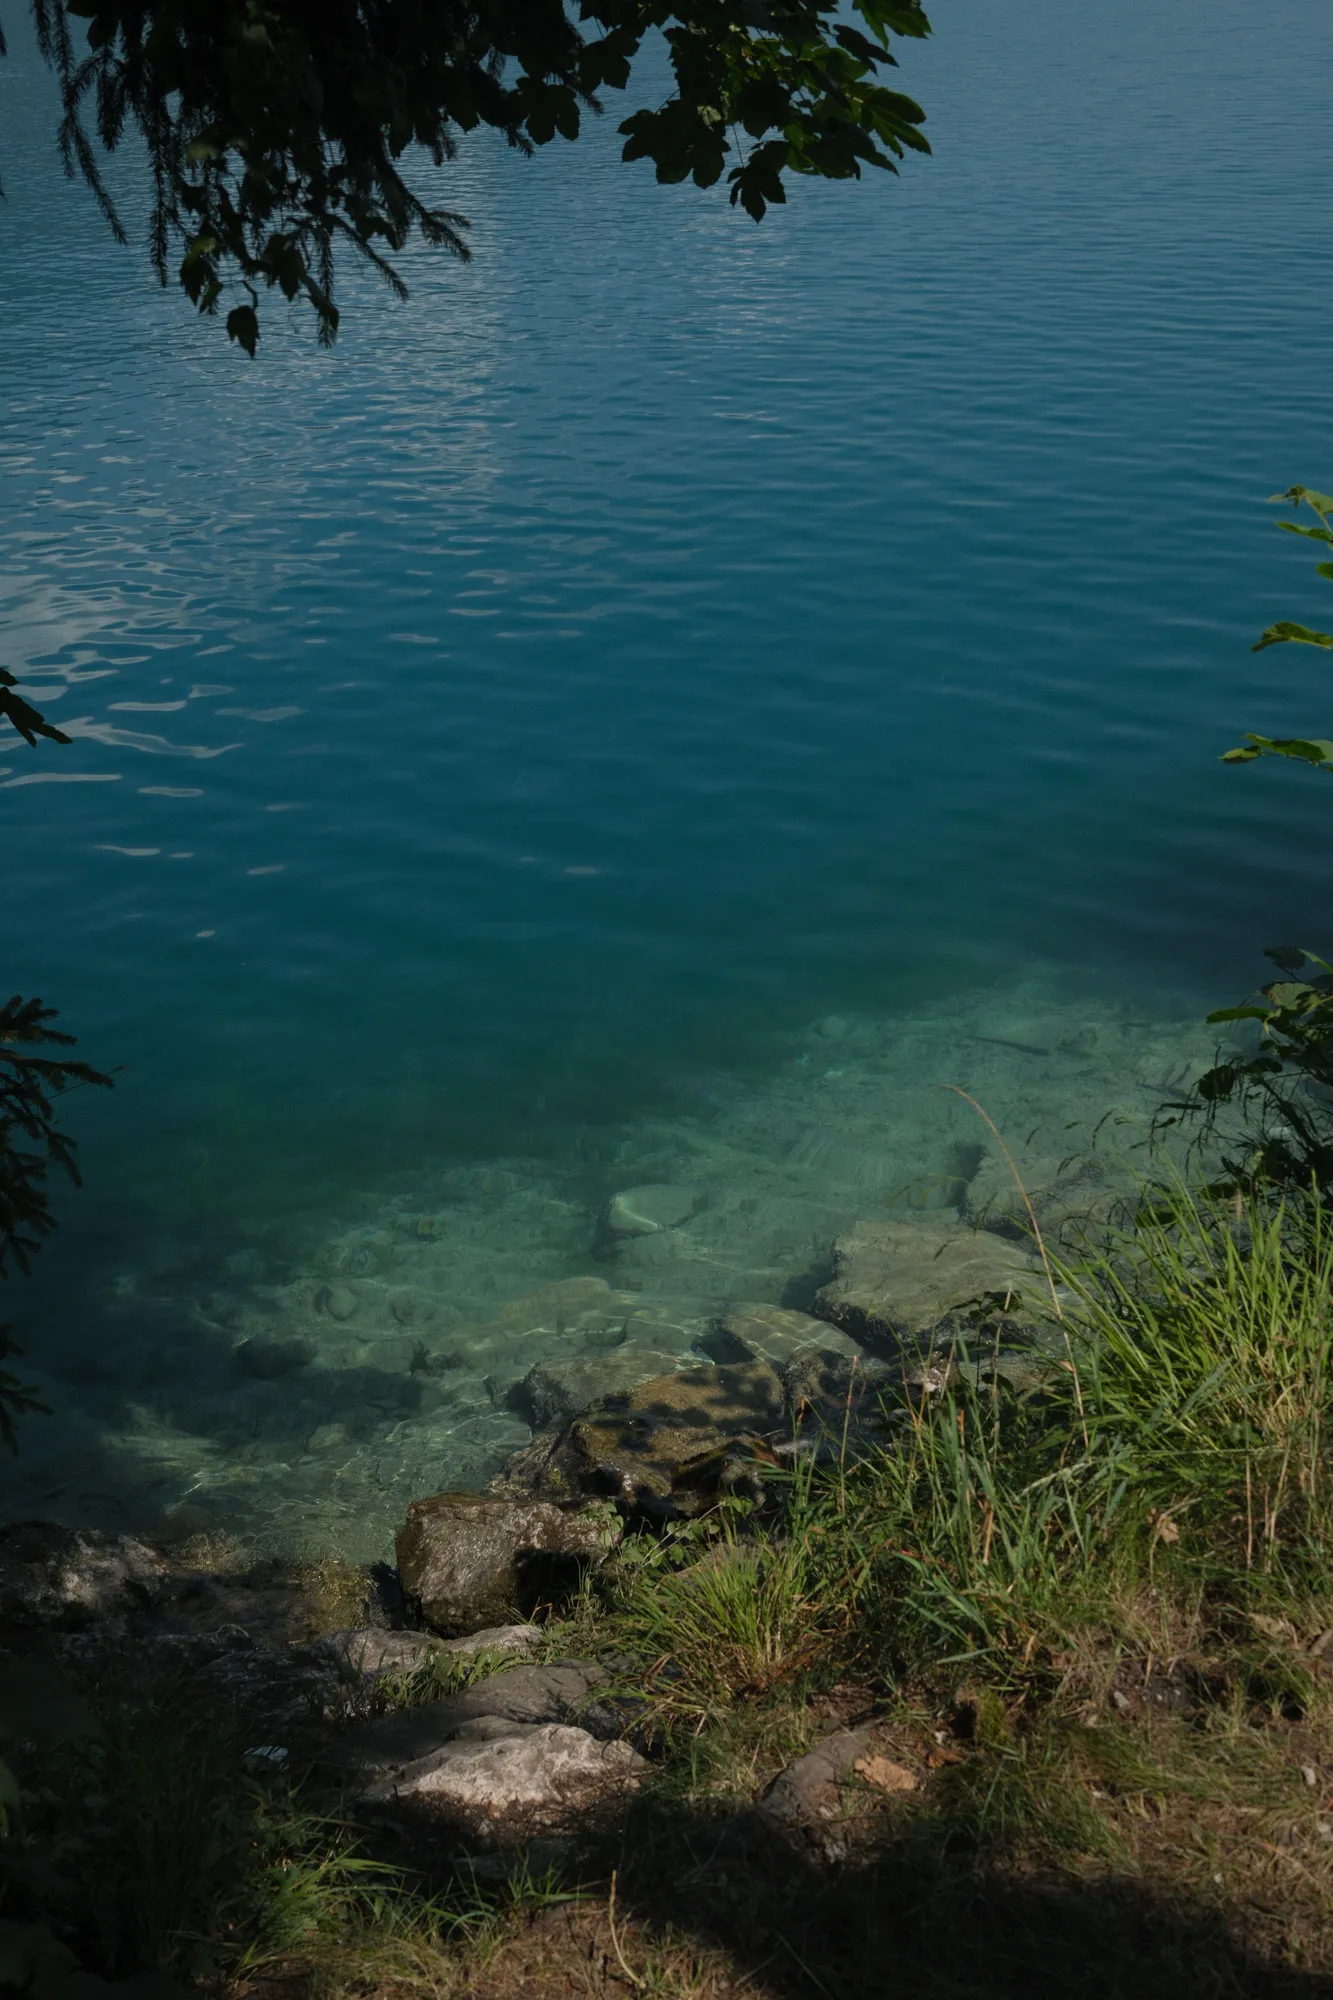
<point x="1086" y="1606"/>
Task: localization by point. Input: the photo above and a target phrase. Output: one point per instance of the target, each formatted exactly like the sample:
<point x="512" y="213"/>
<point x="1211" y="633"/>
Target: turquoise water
<point x="501" y="742"/>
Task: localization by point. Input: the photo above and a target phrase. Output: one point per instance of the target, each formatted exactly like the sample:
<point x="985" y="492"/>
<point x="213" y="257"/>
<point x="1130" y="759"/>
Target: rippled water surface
<point x="500" y="744"/>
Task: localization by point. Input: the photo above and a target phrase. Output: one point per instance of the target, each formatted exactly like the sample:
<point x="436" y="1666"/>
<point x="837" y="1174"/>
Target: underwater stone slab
<point x="644" y="1211"/>
<point x="268" y="1359"/>
<point x="554" y="1391"/>
<point x="772" y="1333"/>
<point x="670" y="1326"/>
<point x="579" y="1312"/>
<point x="471" y="1561"/>
<point x="1064" y="1193"/>
<point x="894" y="1281"/>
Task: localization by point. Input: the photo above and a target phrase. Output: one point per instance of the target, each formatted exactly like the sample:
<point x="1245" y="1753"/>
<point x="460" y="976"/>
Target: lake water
<point x="658" y="707"/>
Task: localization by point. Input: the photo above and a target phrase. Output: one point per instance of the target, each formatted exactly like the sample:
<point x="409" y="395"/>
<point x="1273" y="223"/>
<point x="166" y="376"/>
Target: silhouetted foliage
<point x="31" y="1143"/>
<point x="277" y="130"/>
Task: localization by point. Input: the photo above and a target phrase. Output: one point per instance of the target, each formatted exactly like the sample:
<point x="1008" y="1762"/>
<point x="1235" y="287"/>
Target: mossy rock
<point x="650" y="1441"/>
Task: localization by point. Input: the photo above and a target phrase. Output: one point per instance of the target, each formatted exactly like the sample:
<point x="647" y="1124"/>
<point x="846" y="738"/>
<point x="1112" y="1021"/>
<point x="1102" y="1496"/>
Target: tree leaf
<point x="1286" y="633"/>
<point x="243" y="327"/>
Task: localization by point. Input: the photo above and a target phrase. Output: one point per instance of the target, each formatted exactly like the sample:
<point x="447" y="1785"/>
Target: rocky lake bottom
<point x="296" y="1386"/>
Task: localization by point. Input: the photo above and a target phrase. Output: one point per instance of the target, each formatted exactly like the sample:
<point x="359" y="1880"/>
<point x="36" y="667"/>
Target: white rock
<point x="530" y="1777"/>
<point x="496" y="1639"/>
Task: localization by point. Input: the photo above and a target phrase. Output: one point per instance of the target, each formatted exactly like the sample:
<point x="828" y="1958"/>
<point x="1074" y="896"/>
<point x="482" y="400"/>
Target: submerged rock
<point x="670" y="1326"/>
<point x="267" y="1359"/>
<point x="577" y="1314"/>
<point x="471" y="1560"/>
<point x="748" y="1332"/>
<point x="896" y="1281"/>
<point x="554" y="1391"/>
<point x="1065" y="1194"/>
<point x="644" y="1211"/>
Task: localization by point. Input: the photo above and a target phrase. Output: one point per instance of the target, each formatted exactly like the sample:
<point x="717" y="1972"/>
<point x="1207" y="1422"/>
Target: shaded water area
<point x="655" y="709"/>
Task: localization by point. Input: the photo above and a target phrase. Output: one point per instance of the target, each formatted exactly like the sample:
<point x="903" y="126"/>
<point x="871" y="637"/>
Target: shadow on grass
<point x="918" y="1914"/>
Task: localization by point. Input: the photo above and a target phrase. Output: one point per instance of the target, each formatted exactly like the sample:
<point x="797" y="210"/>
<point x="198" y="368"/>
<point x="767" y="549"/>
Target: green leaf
<point x="1317" y="753"/>
<point x="1288" y="994"/>
<point x="1289" y="956"/>
<point x="1321" y="502"/>
<point x="1286" y="633"/>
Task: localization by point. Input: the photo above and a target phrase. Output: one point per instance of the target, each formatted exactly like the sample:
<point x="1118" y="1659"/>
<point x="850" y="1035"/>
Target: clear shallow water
<point x="499" y="741"/>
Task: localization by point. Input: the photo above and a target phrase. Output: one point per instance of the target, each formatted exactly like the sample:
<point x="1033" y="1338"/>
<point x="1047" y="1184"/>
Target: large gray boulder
<point x="894" y="1282"/>
<point x="470" y="1560"/>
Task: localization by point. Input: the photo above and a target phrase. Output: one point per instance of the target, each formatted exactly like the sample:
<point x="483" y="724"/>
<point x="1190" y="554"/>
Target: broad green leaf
<point x="1292" y="994"/>
<point x="1312" y="534"/>
<point x="1317" y="753"/>
<point x="1285" y="632"/>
